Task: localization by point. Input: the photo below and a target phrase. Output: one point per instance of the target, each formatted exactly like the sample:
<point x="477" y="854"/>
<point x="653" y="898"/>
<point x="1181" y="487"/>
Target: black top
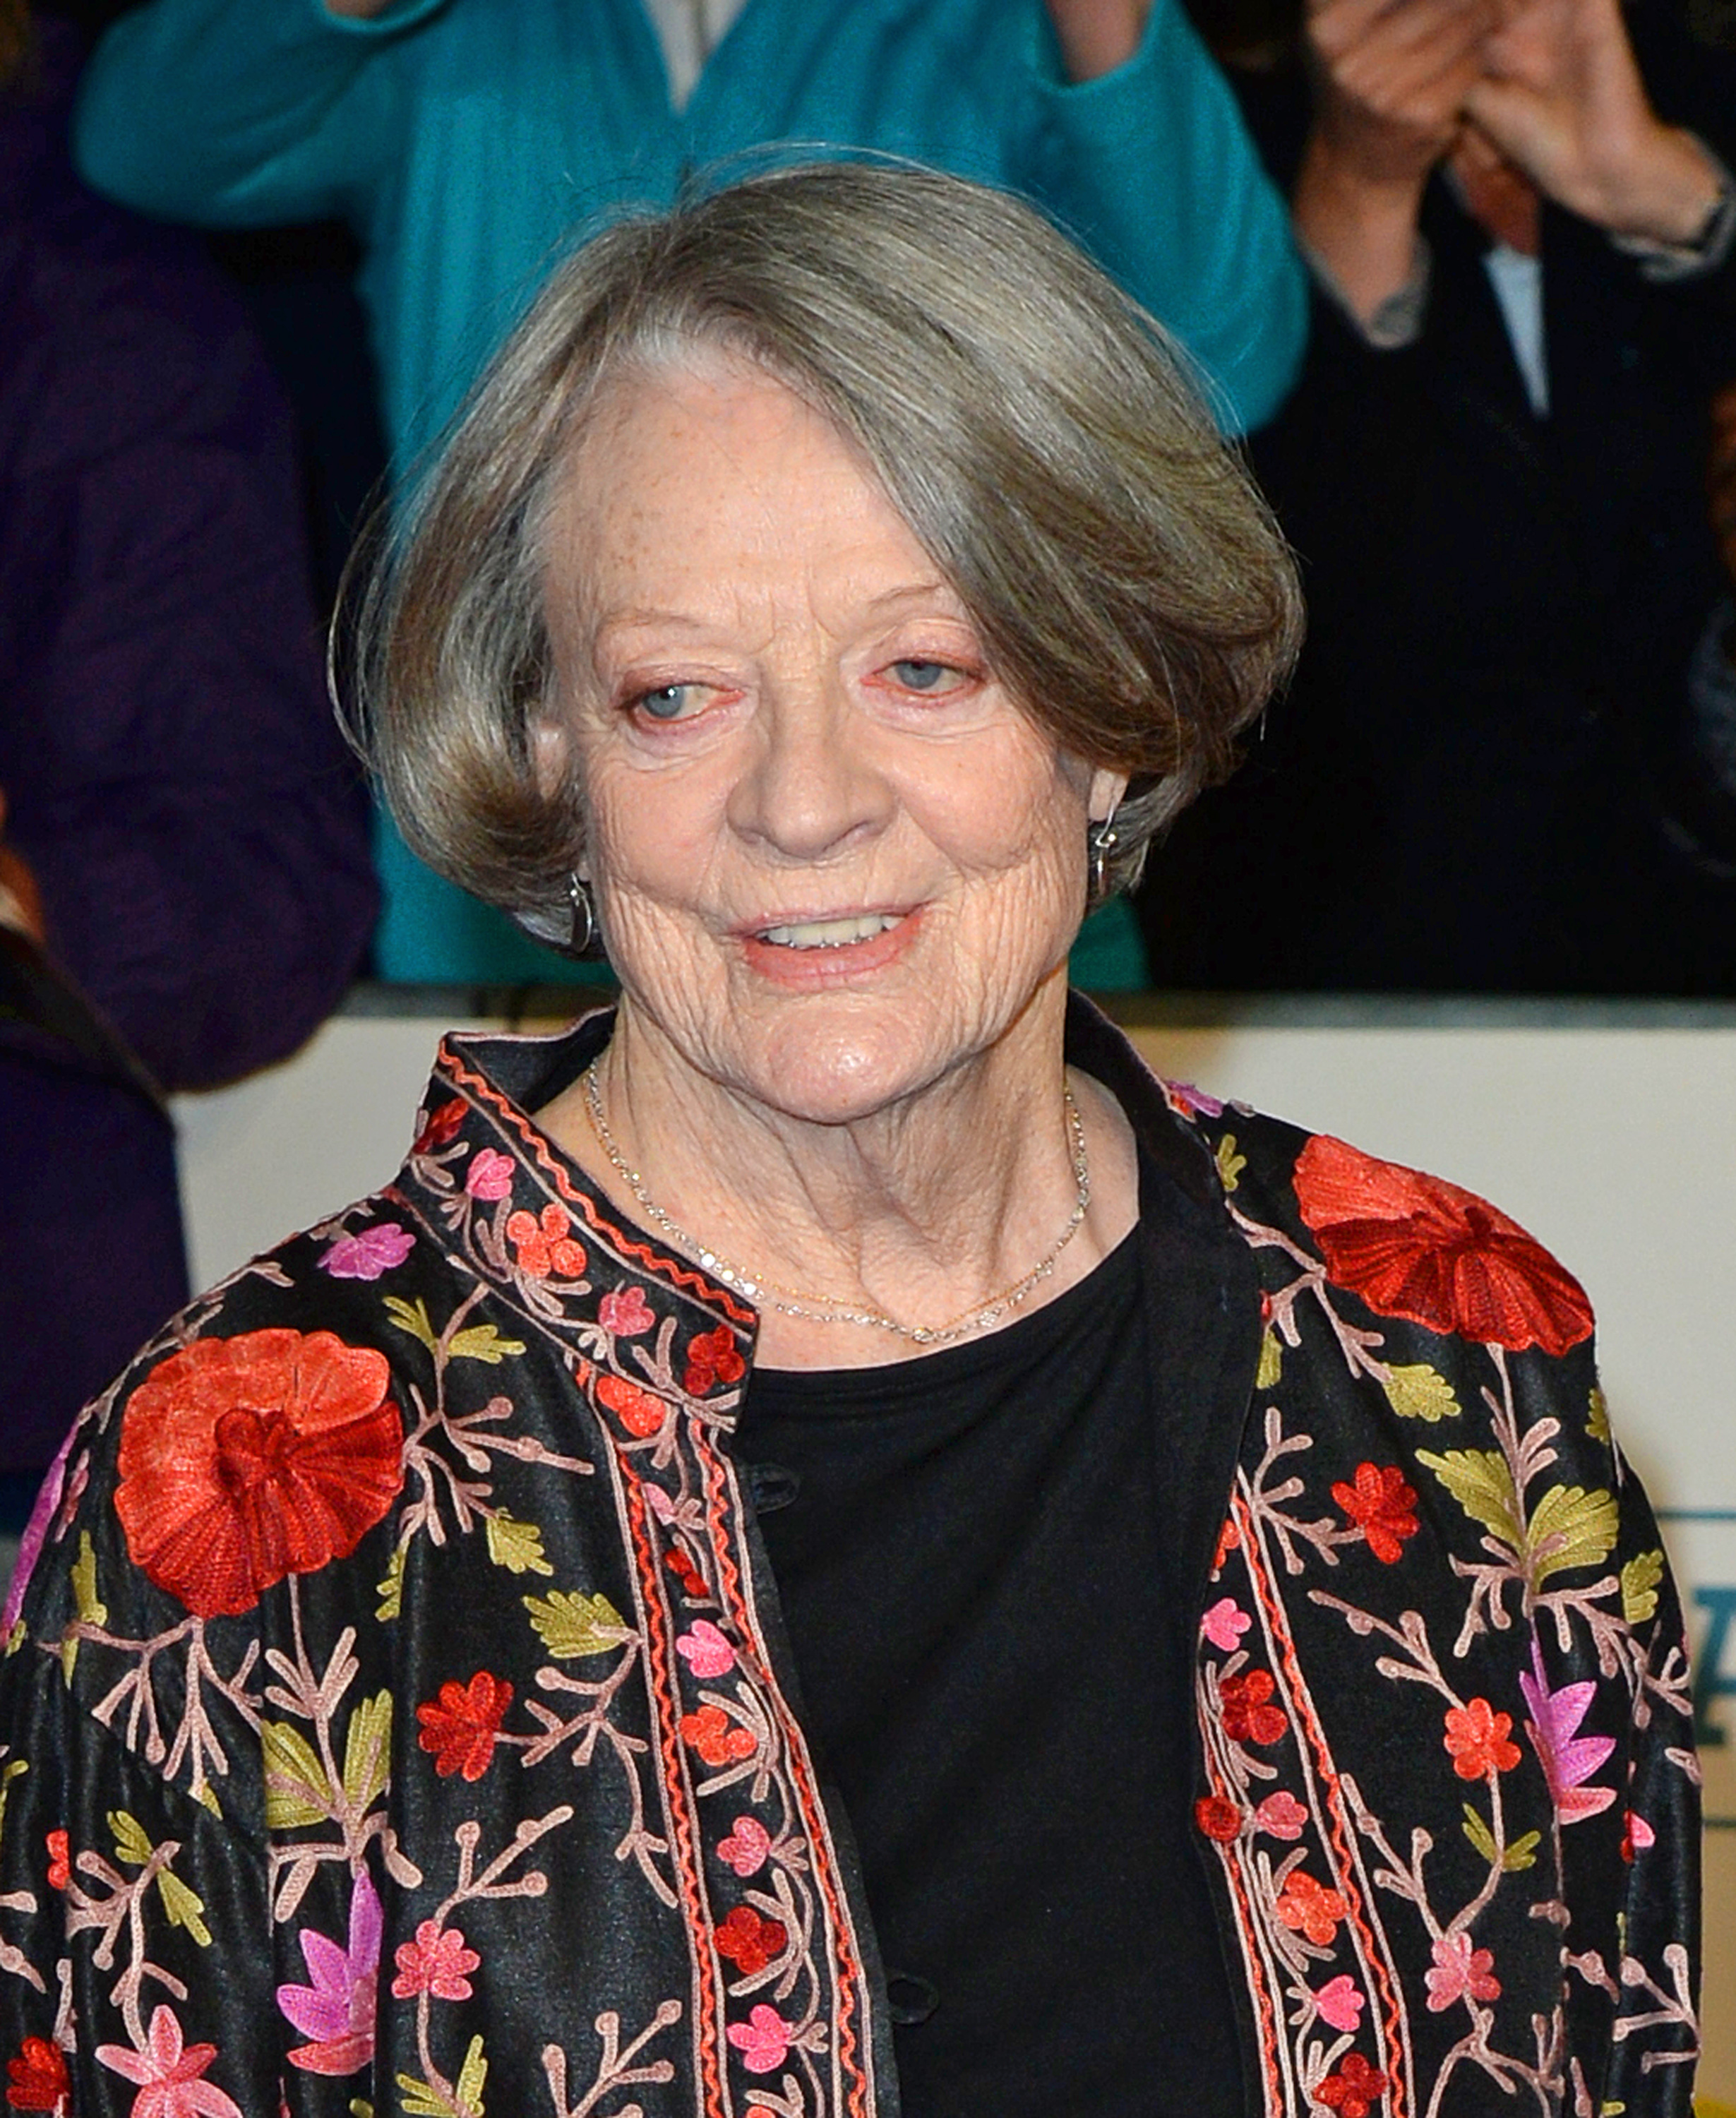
<point x="974" y="1553"/>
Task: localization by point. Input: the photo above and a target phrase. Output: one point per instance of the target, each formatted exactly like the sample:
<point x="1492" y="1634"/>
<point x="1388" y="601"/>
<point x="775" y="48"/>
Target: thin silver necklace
<point x="831" y="1309"/>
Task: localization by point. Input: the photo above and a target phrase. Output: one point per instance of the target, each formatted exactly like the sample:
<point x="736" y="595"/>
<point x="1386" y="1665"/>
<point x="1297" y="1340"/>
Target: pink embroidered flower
<point x="750" y="1940"/>
<point x="1281" y="1816"/>
<point x="1354" y="2089"/>
<point x="625" y="1314"/>
<point x="746" y="1847"/>
<point x="1309" y="1908"/>
<point x="1187" y="1101"/>
<point x="369" y="1253"/>
<point x="763" y="2040"/>
<point x="1225" y="1624"/>
<point x="1568" y="1759"/>
<point x="335" y="2013"/>
<point x="1635" y="1840"/>
<point x="1340" y="2004"/>
<point x="490" y="1174"/>
<point x="1460" y="1971"/>
<point x="169" y="2074"/>
<point x="1476" y="1740"/>
<point x="705" y="1650"/>
<point x="712" y="1357"/>
<point x="434" y="1962"/>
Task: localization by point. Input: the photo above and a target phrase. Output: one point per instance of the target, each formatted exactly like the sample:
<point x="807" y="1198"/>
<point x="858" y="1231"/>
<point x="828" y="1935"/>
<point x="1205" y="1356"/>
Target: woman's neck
<point x="924" y="1211"/>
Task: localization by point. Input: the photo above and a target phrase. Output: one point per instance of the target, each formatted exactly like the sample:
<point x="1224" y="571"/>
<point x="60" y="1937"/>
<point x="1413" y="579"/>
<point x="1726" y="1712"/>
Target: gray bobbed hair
<point x="1035" y="428"/>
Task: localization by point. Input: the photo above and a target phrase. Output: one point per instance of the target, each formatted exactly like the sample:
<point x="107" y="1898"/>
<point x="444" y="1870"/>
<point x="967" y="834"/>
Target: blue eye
<point x="667" y="703"/>
<point x="917" y="676"/>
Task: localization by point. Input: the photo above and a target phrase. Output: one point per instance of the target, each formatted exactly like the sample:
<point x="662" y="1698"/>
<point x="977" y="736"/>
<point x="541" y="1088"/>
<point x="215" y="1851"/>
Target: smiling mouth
<point x="829" y="933"/>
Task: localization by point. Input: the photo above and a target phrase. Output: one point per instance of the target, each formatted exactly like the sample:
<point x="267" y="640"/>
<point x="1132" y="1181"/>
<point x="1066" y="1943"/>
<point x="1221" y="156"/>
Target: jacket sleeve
<point x="181" y="791"/>
<point x="243" y="112"/>
<point x="1152" y="166"/>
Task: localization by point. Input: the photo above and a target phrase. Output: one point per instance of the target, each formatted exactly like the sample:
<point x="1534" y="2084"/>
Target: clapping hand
<point x="1098" y="35"/>
<point x="1558" y="93"/>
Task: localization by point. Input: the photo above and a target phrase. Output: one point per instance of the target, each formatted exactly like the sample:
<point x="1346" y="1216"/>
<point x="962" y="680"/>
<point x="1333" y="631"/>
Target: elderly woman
<point x="830" y="1546"/>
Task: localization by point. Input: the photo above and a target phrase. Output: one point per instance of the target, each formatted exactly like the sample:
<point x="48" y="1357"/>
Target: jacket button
<point x="772" y="1486"/>
<point x="910" y="1999"/>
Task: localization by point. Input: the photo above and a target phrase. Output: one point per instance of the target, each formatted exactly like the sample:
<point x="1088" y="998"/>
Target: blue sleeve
<point x="1152" y="167"/>
<point x="242" y="113"/>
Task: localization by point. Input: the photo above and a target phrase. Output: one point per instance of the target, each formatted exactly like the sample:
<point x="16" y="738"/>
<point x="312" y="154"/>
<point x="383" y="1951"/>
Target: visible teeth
<point x="830" y="933"/>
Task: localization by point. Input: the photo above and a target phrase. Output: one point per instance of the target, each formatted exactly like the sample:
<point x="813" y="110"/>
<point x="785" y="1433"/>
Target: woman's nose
<point x="808" y="790"/>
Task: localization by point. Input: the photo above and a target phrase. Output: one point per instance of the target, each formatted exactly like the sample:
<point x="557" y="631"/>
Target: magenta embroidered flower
<point x="1340" y="2003"/>
<point x="1635" y="1840"/>
<point x="746" y="1847"/>
<point x="335" y="2013"/>
<point x="1460" y="1972"/>
<point x="1568" y="1759"/>
<point x="763" y="2040"/>
<point x="169" y="2074"/>
<point x="625" y="1314"/>
<point x="1225" y="1624"/>
<point x="369" y="1253"/>
<point x="705" y="1650"/>
<point x="434" y="1962"/>
<point x="1281" y="1816"/>
<point x="1187" y="1101"/>
<point x="490" y="1174"/>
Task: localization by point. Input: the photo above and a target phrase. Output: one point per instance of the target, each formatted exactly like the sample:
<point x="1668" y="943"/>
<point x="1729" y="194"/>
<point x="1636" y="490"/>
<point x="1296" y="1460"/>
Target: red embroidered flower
<point x="685" y="1571"/>
<point x="1229" y="1538"/>
<point x="434" y="1962"/>
<point x="545" y="1249"/>
<point x="1218" y="1817"/>
<point x="712" y="1358"/>
<point x="441" y="1128"/>
<point x="639" y="1412"/>
<point x="245" y="1459"/>
<point x="1354" y="2089"/>
<point x="1309" y="1908"/>
<point x="749" y="1941"/>
<point x="39" y="2079"/>
<point x="60" y="1860"/>
<point x="718" y="1740"/>
<point x="461" y="1726"/>
<point x="1476" y="1740"/>
<point x="1418" y="1248"/>
<point x="1247" y="1717"/>
<point x="1380" y="1504"/>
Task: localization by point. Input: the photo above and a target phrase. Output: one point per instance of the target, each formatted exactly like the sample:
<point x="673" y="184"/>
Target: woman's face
<point x="833" y="859"/>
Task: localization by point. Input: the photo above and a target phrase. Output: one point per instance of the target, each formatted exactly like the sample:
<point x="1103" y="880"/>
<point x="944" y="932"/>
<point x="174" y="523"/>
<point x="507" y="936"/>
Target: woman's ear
<point x="1104" y="798"/>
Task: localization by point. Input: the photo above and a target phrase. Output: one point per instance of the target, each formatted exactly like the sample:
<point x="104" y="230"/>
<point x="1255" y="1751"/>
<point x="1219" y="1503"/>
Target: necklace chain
<point x="832" y="1309"/>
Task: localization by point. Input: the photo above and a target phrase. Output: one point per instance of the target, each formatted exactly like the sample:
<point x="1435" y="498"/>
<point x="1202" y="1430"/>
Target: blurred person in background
<point x="184" y="879"/>
<point x="1520" y="216"/>
<point x="466" y="140"/>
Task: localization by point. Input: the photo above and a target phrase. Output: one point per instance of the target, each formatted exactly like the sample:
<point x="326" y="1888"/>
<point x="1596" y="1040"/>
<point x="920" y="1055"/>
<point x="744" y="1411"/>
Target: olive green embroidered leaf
<point x="419" y="2101"/>
<point x="1571" y="1527"/>
<point x="8" y="1772"/>
<point x="391" y="1589"/>
<point x="91" y="1609"/>
<point x="208" y="1796"/>
<point x="1271" y="1362"/>
<point x="1479" y="1833"/>
<point x="185" y="1907"/>
<point x="472" y="2077"/>
<point x="368" y="1750"/>
<point x="1421" y="1392"/>
<point x="360" y="2107"/>
<point x="573" y="1625"/>
<point x="1597" y="1418"/>
<point x="297" y="1791"/>
<point x="482" y="1342"/>
<point x="1522" y="1854"/>
<point x="1230" y="1165"/>
<point x="130" y="1843"/>
<point x="1480" y="1481"/>
<point x="15" y="1639"/>
<point x="412" y="1316"/>
<point x="517" y="1546"/>
<point x="1639" y="1579"/>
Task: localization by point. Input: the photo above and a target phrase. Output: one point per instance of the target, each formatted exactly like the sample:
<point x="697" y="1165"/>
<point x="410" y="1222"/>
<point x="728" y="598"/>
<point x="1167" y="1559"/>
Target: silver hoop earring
<point x="1104" y="839"/>
<point x="584" y="930"/>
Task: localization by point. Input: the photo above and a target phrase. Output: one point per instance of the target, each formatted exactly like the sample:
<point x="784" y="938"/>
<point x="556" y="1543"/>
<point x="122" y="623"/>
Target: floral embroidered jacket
<point x="396" y="1720"/>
